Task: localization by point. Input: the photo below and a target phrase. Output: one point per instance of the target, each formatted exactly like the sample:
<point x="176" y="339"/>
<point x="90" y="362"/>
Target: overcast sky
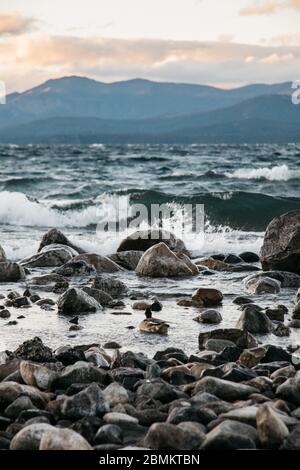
<point x="220" y="42"/>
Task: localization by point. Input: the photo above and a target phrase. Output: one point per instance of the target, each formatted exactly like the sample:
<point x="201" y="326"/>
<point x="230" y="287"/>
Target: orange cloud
<point x="269" y="7"/>
<point x="13" y="23"/>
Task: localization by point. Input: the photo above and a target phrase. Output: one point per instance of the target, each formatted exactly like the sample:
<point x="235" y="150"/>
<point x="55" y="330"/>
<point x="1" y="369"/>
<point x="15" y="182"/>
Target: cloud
<point x="13" y="23"/>
<point x="28" y="60"/>
<point x="269" y="7"/>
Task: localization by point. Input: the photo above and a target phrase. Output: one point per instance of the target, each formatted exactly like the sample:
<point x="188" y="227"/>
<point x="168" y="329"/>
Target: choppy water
<point x="241" y="186"/>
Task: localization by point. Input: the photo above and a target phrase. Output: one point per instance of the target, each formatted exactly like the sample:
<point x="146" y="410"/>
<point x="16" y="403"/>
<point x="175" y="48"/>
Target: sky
<point x="224" y="43"/>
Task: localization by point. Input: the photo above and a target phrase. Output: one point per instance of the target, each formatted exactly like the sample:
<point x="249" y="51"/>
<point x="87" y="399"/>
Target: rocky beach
<point x="234" y="386"/>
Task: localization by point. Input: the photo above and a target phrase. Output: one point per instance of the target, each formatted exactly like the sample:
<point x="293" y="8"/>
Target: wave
<point x="236" y="209"/>
<point x="276" y="173"/>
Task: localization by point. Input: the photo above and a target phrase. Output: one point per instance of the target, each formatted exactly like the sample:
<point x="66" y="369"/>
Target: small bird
<point x="74" y="320"/>
<point x="153" y="325"/>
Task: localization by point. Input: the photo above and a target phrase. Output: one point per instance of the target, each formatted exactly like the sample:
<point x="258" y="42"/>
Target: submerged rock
<point x="76" y="301"/>
<point x="11" y="272"/>
<point x="160" y="261"/>
<point x="142" y="240"/>
<point x="208" y="297"/>
<point x="281" y="248"/>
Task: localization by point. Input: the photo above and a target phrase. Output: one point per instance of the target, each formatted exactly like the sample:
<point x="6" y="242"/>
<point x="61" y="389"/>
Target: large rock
<point x="102" y="264"/>
<point x="169" y="436"/>
<point x="10" y="391"/>
<point x="228" y="391"/>
<point x="286" y="278"/>
<point x="209" y="316"/>
<point x="242" y="339"/>
<point x="75" y="301"/>
<point x="271" y="429"/>
<point x="230" y="435"/>
<point x="76" y="268"/>
<point x="281" y="247"/>
<point x="160" y="261"/>
<point x="63" y="439"/>
<point x="290" y="389"/>
<point x="11" y="272"/>
<point x="81" y="373"/>
<point x="207" y="296"/>
<point x="37" y="375"/>
<point x="56" y="237"/>
<point x="114" y="287"/>
<point x="127" y="259"/>
<point x="254" y="321"/>
<point x="142" y="240"/>
<point x="50" y="256"/>
<point x="263" y="285"/>
<point x="88" y="402"/>
<point x="29" y="438"/>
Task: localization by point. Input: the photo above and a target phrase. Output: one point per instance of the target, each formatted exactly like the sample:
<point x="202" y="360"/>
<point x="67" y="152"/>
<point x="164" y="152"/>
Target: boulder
<point x="230" y="435"/>
<point x="208" y="297"/>
<point x="142" y="240"/>
<point x="81" y="373"/>
<point x="127" y="259"/>
<point x="281" y="247"/>
<point x="50" y="256"/>
<point x="242" y="339"/>
<point x="11" y="272"/>
<point x="76" y="268"/>
<point x="34" y="350"/>
<point x="56" y="237"/>
<point x="160" y="261"/>
<point x="114" y="287"/>
<point x="102" y="264"/>
<point x="88" y="402"/>
<point x="29" y="438"/>
<point x="254" y="321"/>
<point x="249" y="257"/>
<point x="76" y="301"/>
<point x="37" y="375"/>
<point x="116" y="394"/>
<point x="99" y="295"/>
<point x="271" y="429"/>
<point x="209" y="316"/>
<point x="168" y="436"/>
<point x="63" y="439"/>
<point x="263" y="285"/>
<point x="276" y="313"/>
<point x="228" y="391"/>
<point x="10" y="391"/>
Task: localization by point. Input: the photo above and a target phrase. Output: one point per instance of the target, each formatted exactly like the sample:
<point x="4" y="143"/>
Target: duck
<point x="153" y="325"/>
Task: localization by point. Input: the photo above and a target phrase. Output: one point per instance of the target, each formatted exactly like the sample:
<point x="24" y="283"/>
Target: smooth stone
<point x="37" y="375"/>
<point x="160" y="261"/>
<point x="16" y="407"/>
<point x="276" y="313"/>
<point x="142" y="240"/>
<point x="119" y="418"/>
<point x="63" y="439"/>
<point x="11" y="272"/>
<point x="264" y="285"/>
<point x="232" y="259"/>
<point x="112" y="345"/>
<point x="228" y="391"/>
<point x="252" y="357"/>
<point x="168" y="436"/>
<point x="218" y="345"/>
<point x="157" y="389"/>
<point x="208" y="297"/>
<point x="109" y="434"/>
<point x="230" y="435"/>
<point x="115" y="394"/>
<point x="292" y="441"/>
<point x="127" y="376"/>
<point x="242" y="300"/>
<point x="290" y="390"/>
<point x="114" y="287"/>
<point x="29" y="438"/>
<point x="242" y="339"/>
<point x="140" y="305"/>
<point x="209" y="316"/>
<point x="4" y="313"/>
<point x="249" y="257"/>
<point x="214" y="264"/>
<point x="287" y="279"/>
<point x="47" y="280"/>
<point x="76" y="301"/>
<point x="254" y="321"/>
<point x="182" y="414"/>
<point x="271" y="429"/>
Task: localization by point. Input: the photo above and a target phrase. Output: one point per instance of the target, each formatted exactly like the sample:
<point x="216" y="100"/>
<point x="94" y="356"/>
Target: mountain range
<point x="81" y="110"/>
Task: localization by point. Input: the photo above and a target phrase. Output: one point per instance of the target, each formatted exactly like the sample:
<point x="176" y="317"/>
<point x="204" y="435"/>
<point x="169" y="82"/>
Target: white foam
<point x="276" y="173"/>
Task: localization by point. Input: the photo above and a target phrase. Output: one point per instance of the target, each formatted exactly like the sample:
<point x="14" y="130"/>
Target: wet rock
<point x="280" y="330"/>
<point x="276" y="313"/>
<point x="241" y="300"/>
<point x="29" y="438"/>
<point x="292" y="441"/>
<point x="280" y="250"/>
<point x="127" y="376"/>
<point x="11" y="272"/>
<point x="2" y="254"/>
<point x="233" y="259"/>
<point x="189" y="413"/>
<point x="296" y="312"/>
<point x="160" y="261"/>
<point x="63" y="439"/>
<point x="16" y="407"/>
<point x="68" y="355"/>
<point x="294" y="324"/>
<point x="116" y="394"/>
<point x="4" y="313"/>
<point x="109" y="434"/>
<point x="10" y="391"/>
<point x="223" y="389"/>
<point x="240" y="338"/>
<point x="254" y="321"/>
<point x="168" y="436"/>
<point x="271" y="429"/>
<point x="249" y="257"/>
<point x="290" y="390"/>
<point x="252" y="357"/>
<point x="37" y="375"/>
<point x="76" y="268"/>
<point x="34" y="350"/>
<point x="131" y="359"/>
<point x="142" y="240"/>
<point x="218" y="345"/>
<point x="88" y="402"/>
<point x="209" y="316"/>
<point x="76" y="301"/>
<point x="47" y="280"/>
<point x="157" y="389"/>
<point x="49" y="257"/>
<point x="287" y="279"/>
<point x="276" y="353"/>
<point x="102" y="264"/>
<point x="230" y="435"/>
<point x="56" y="237"/>
<point x="127" y="259"/>
<point x="208" y="297"/>
<point x="87" y="427"/>
<point x="211" y="263"/>
<point x="119" y="418"/>
<point x="265" y="285"/>
<point x="99" y="295"/>
<point x="112" y="345"/>
<point x="140" y="305"/>
<point x="114" y="287"/>
<point x="81" y="372"/>
<point x="97" y="357"/>
<point x="21" y="302"/>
